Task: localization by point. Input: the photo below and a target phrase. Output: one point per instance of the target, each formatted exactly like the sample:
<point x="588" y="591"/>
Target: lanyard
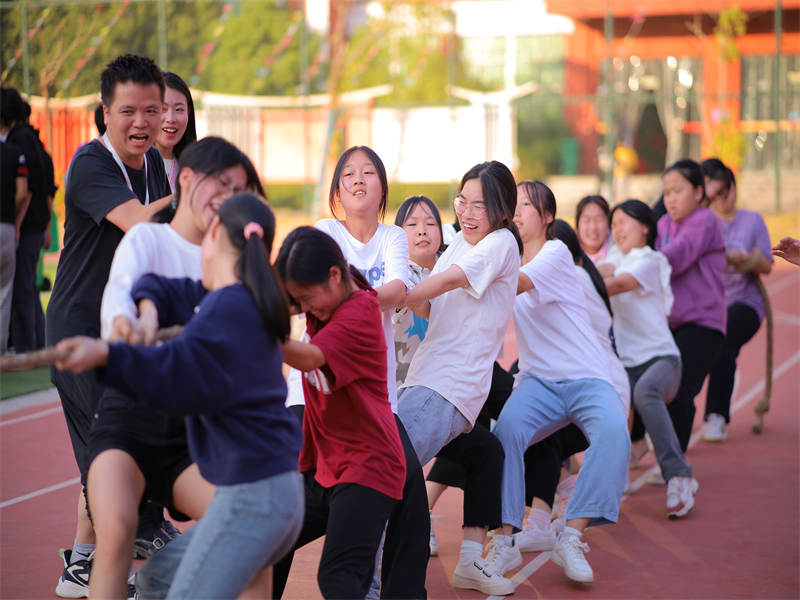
<point x="118" y="160"/>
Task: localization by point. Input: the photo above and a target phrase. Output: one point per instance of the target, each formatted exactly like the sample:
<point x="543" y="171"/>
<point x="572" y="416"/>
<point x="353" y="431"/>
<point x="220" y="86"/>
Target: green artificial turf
<point x="24" y="382"/>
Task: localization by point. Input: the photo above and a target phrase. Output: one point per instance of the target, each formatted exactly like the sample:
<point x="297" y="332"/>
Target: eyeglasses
<point x="225" y="183"/>
<point x="461" y="206"/>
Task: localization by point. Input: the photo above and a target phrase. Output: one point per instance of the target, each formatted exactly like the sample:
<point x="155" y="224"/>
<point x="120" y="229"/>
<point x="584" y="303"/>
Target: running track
<point x="741" y="540"/>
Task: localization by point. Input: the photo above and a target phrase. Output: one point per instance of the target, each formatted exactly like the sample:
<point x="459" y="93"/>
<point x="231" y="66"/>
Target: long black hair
<point x="333" y="194"/>
<point x="190" y="135"/>
<point x="408" y="206"/>
<point x="210" y="156"/>
<point x="636" y="209"/>
<point x="250" y="224"/>
<point x="544" y="201"/>
<point x="307" y="255"/>
<point x="499" y="194"/>
<point x="567" y="234"/>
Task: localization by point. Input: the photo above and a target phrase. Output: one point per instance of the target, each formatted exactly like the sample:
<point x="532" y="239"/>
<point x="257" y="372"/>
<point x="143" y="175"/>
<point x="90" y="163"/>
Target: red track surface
<point x="741" y="540"/>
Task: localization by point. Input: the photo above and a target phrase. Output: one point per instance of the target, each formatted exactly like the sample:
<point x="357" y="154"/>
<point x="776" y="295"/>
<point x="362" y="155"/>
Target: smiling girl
<point x="177" y="125"/>
<point x="467" y="299"/>
<point x="641" y="297"/>
<point x="690" y="236"/>
<point x="591" y="224"/>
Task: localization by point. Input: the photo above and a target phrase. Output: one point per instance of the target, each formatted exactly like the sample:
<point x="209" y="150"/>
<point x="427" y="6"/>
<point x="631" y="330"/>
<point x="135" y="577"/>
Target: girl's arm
<point x="696" y="240"/>
<point x="391" y="294"/>
<point x="118" y="311"/>
<point x="450" y="279"/>
<point x="174" y="299"/>
<point x="752" y="262"/>
<point x="524" y="284"/>
<point x="617" y="284"/>
<point x="303" y="356"/>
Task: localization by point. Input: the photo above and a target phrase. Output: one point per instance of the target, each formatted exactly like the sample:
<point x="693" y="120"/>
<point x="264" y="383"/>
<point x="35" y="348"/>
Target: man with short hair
<point x="114" y="183"/>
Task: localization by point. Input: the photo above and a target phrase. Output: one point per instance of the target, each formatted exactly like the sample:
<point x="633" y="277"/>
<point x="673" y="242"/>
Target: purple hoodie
<point x="696" y="251"/>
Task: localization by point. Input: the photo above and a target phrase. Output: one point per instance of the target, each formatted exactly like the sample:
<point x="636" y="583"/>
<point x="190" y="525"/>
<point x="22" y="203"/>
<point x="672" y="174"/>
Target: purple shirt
<point x="696" y="253"/>
<point x="746" y="231"/>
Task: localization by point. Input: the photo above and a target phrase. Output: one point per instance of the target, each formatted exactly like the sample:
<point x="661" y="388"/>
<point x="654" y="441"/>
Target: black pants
<point x="699" y="347"/>
<point x="407" y="546"/>
<point x="406" y="549"/>
<point x="27" y="318"/>
<point x="543" y="462"/>
<point x="743" y="323"/>
<point x="474" y="462"/>
<point x="352" y="518"/>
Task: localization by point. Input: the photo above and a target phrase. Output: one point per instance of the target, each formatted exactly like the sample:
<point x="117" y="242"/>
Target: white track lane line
<point x="40" y="492"/>
<point x="30" y="417"/>
<point x="525" y="572"/>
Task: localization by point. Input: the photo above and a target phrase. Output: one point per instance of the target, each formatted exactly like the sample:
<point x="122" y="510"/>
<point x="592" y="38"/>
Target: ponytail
<point x="250" y="225"/>
<point x="566" y="234"/>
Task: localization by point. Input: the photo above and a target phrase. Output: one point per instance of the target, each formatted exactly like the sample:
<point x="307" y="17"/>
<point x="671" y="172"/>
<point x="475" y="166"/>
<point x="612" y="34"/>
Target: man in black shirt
<point x="35" y="219"/>
<point x="114" y="183"/>
<point x="13" y="196"/>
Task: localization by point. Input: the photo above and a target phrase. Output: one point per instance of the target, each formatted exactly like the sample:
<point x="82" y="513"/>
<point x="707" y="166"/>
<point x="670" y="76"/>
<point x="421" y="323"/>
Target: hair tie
<point x="251" y="228"/>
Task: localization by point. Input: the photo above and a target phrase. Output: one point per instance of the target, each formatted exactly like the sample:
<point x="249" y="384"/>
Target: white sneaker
<point x="536" y="538"/>
<point x="715" y="428"/>
<point x="680" y="496"/>
<point x="434" y="544"/>
<point x="503" y="557"/>
<point x="568" y="554"/>
<point x="479" y="576"/>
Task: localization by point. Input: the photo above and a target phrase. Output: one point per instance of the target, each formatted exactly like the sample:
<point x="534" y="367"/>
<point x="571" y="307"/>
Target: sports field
<point x="741" y="540"/>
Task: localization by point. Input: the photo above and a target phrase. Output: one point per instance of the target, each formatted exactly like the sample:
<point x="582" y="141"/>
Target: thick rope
<point x="763" y="405"/>
<point x="47" y="356"/>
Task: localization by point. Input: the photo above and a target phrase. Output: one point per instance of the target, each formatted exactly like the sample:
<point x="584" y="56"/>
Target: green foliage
<point x="732" y="22"/>
<point x="541" y="130"/>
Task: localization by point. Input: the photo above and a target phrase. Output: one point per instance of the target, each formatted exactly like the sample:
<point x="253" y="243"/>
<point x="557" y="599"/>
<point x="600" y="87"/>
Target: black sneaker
<point x="145" y="547"/>
<point x="74" y="582"/>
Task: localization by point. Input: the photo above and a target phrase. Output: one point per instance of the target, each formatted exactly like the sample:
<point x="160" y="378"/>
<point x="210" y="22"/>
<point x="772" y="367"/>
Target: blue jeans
<point x="247" y="527"/>
<point x="537" y="408"/>
<point x="431" y="421"/>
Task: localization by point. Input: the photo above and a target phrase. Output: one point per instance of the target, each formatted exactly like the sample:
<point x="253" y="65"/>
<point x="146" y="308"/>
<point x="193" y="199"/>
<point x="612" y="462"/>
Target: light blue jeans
<point x="246" y="527"/>
<point x="537" y="408"/>
<point x="431" y="421"/>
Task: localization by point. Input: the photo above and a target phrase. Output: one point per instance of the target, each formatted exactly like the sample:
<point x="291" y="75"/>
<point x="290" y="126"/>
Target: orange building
<point x="669" y="82"/>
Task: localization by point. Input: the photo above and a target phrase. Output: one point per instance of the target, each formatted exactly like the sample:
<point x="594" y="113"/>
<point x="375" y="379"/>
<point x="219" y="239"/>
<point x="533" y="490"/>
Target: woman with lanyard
<point x="177" y="126"/>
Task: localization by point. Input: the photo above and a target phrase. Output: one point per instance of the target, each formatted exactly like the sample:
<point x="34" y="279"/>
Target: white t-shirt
<point x="556" y="340"/>
<point x="640" y="315"/>
<point x="467" y="325"/>
<point x="601" y="322"/>
<point x="382" y="259"/>
<point x="145" y="248"/>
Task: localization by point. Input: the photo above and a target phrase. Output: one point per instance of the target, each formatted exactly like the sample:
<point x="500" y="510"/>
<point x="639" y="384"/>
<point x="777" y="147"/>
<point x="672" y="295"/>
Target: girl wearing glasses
<point x="468" y="300"/>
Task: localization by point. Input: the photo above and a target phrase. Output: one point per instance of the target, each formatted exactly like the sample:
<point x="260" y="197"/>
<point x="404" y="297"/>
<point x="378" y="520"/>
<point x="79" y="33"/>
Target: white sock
<point x="571" y="531"/>
<point x="504" y="540"/>
<point x="470" y="552"/>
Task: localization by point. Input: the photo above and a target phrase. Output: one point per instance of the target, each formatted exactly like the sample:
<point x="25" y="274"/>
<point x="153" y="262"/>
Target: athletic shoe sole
<point x="68" y="589"/>
<point x="682" y="511"/>
<point x="572" y="577"/>
<point x="485" y="587"/>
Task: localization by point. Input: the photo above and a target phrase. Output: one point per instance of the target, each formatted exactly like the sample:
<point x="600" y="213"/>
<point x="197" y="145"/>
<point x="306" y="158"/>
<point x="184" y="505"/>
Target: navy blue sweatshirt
<point x="223" y="372"/>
